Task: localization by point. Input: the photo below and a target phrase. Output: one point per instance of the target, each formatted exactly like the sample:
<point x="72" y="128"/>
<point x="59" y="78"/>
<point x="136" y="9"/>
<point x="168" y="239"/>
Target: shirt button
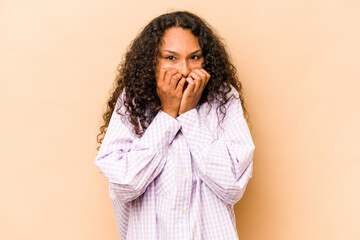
<point x="181" y="137"/>
<point x="185" y="174"/>
<point x="182" y="211"/>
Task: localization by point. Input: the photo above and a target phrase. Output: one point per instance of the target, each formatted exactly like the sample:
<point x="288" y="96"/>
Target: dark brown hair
<point x="136" y="73"/>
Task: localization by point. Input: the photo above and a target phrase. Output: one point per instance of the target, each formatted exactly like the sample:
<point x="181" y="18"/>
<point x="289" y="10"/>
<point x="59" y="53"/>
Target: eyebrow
<point x="169" y="51"/>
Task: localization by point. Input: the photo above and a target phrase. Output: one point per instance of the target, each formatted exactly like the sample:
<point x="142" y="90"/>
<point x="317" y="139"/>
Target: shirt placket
<point x="184" y="175"/>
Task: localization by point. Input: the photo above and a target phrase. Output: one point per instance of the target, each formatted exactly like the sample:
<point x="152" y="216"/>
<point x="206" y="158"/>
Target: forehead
<point x="179" y="40"/>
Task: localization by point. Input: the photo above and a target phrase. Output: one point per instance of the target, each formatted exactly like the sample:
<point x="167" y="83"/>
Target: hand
<point x="197" y="80"/>
<point x="169" y="87"/>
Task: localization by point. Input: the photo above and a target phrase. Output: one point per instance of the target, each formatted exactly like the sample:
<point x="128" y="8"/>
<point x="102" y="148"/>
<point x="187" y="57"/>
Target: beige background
<point x="299" y="62"/>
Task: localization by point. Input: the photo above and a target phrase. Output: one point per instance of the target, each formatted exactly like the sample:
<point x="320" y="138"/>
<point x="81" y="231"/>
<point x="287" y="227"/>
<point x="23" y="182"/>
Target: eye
<point x="171" y="58"/>
<point x="195" y="57"/>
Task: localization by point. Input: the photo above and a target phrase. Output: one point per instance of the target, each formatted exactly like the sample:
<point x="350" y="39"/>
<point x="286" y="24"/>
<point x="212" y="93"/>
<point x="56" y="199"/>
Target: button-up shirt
<point x="181" y="178"/>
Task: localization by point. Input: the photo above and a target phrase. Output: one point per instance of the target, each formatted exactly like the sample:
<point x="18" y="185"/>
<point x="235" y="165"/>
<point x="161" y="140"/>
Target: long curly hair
<point x="136" y="72"/>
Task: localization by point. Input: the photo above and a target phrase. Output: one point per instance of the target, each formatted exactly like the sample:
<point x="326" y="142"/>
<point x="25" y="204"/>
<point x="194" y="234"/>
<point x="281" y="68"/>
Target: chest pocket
<point x="165" y="181"/>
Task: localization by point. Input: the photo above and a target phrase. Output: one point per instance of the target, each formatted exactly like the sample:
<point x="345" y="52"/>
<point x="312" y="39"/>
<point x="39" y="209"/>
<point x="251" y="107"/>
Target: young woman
<point x="176" y="147"/>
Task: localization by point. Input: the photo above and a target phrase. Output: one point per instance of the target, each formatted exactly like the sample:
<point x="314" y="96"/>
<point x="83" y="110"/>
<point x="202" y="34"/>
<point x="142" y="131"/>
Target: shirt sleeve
<point x="224" y="160"/>
<point x="131" y="163"/>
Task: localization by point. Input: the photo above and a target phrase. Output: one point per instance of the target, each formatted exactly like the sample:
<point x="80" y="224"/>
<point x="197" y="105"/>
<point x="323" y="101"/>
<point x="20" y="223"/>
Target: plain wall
<point x="299" y="62"/>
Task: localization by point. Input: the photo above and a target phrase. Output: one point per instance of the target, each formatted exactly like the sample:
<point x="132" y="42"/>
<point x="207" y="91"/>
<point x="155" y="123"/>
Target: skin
<point x="180" y="77"/>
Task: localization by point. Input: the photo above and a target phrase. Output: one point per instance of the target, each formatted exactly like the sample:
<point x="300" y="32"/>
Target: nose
<point x="184" y="68"/>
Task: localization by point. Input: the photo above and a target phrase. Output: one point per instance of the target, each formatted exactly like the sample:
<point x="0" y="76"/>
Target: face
<point x="179" y="50"/>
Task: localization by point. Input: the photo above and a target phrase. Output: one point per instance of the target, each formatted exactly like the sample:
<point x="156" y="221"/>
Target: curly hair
<point x="136" y="72"/>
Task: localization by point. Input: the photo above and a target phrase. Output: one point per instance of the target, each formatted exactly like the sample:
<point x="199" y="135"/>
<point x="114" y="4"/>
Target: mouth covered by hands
<point x="180" y="94"/>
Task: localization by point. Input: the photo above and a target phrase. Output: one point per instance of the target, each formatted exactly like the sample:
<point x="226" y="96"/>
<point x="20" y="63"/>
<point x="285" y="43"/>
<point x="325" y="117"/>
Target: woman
<point x="177" y="150"/>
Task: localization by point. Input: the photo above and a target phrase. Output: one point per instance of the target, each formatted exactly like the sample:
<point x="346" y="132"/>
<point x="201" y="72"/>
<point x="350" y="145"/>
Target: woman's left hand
<point x="197" y="80"/>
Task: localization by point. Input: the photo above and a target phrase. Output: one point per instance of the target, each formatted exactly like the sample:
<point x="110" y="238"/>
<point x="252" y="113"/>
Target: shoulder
<point x="232" y="96"/>
<point x="121" y="99"/>
<point x="120" y="113"/>
<point x="219" y="105"/>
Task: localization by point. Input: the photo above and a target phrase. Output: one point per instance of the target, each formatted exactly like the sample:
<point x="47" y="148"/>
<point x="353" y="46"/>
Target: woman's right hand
<point x="169" y="87"/>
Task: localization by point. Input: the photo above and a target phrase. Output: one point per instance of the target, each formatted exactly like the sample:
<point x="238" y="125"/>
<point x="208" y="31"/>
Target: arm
<point x="224" y="162"/>
<point x="129" y="163"/>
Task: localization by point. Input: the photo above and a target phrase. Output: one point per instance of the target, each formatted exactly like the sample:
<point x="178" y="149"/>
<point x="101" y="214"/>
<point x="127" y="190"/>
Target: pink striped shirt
<point x="181" y="179"/>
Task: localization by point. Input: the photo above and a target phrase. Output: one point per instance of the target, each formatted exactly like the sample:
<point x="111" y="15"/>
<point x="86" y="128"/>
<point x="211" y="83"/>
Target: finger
<point x="180" y="85"/>
<point x="160" y="77"/>
<point x="203" y="77"/>
<point x="202" y="73"/>
<point x="197" y="80"/>
<point x="174" y="80"/>
<point x="168" y="75"/>
<point x="191" y="84"/>
<point x="207" y="75"/>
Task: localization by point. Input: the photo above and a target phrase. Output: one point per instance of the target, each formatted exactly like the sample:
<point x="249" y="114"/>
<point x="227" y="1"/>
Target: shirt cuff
<point x="197" y="135"/>
<point x="160" y="133"/>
